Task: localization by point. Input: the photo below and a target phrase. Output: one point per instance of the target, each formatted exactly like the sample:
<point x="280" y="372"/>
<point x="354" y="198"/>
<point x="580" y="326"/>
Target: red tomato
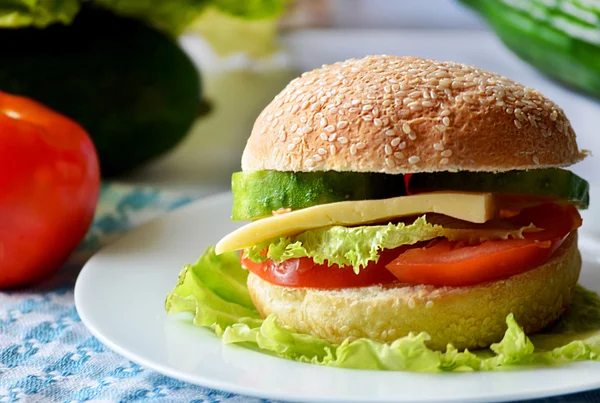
<point x="443" y="262"/>
<point x="303" y="272"/>
<point x="49" y="186"/>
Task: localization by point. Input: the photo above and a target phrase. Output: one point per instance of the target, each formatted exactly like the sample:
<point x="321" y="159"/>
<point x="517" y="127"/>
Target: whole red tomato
<point x="49" y="186"/>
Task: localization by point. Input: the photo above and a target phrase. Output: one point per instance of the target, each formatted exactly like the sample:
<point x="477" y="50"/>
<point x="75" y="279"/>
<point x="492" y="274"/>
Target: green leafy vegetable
<point x="37" y="13"/>
<point x="357" y="246"/>
<point x="172" y="16"/>
<point x="214" y="291"/>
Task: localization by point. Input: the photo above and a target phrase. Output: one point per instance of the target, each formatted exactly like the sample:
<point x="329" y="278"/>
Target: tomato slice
<point x="446" y="263"/>
<point x="304" y="272"/>
<point x="439" y="262"/>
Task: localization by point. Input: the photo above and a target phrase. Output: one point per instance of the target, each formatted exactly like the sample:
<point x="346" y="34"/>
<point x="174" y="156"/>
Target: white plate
<point x="120" y="292"/>
<point x="120" y="295"/>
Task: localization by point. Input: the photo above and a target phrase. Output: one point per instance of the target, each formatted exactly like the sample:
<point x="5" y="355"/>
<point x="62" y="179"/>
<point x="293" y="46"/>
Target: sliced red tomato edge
<point x="552" y="243"/>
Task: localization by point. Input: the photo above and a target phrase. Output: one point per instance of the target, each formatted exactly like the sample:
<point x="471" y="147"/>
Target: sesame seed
<point x="445" y="82"/>
<point x="332" y="150"/>
<point x="307" y="129"/>
<point x="445" y="112"/>
<point x="291" y="146"/>
<point x="407" y="101"/>
<point x="387" y="89"/>
<point x="355" y="102"/>
<point x="317" y="157"/>
<point x="323" y="136"/>
<point x="416" y="108"/>
<point x="402" y="145"/>
<point x="446" y="121"/>
<point x="427" y="103"/>
<point x="269" y="118"/>
<point x="553" y="115"/>
<point x="517" y="123"/>
<point x="330" y="128"/>
<point x="429" y="305"/>
<point x="360" y="146"/>
<point x="441" y="128"/>
<point x="389" y="132"/>
<point x="367" y="118"/>
<point x="282" y="135"/>
<point x="446" y="153"/>
<point x="377" y="122"/>
<point x="342" y="124"/>
<point x="342" y="140"/>
<point x="414" y="159"/>
<point x="309" y="163"/>
<point x="353" y="149"/>
<point x="399" y="154"/>
<point x="295" y="108"/>
<point x="323" y="122"/>
<point x="279" y="113"/>
<point x="386" y="103"/>
<point x="444" y="161"/>
<point x="296" y="140"/>
<point x="318" y="115"/>
<point x="388" y="150"/>
<point x="438" y="146"/>
<point x="536" y="160"/>
<point x="294" y="127"/>
<point x="322" y="151"/>
<point x="332" y="137"/>
<point x="412" y="136"/>
<point x="390" y="163"/>
<point x="353" y="110"/>
<point x="395" y="142"/>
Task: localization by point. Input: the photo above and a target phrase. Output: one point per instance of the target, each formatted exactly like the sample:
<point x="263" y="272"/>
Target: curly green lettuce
<point x="214" y="291"/>
<point x="357" y="246"/>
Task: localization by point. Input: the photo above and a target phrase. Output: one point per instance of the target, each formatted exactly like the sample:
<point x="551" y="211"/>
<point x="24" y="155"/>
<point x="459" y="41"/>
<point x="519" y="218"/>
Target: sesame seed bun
<point x="468" y="317"/>
<point x="404" y="114"/>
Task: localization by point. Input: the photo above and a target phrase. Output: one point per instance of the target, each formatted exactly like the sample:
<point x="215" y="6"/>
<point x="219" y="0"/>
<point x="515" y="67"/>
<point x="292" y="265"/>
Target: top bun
<point x="404" y="114"/>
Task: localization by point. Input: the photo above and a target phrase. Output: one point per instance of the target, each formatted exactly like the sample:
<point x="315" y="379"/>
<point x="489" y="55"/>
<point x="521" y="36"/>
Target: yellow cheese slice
<point x="473" y="207"/>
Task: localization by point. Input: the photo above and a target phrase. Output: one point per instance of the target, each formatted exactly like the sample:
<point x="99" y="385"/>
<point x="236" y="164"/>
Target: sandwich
<point x="392" y="196"/>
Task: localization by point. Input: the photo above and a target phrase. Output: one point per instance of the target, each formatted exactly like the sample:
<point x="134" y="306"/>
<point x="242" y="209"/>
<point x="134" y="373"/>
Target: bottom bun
<point x="467" y="317"/>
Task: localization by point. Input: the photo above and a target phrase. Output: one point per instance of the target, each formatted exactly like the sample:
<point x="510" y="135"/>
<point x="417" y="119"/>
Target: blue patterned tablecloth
<point x="48" y="355"/>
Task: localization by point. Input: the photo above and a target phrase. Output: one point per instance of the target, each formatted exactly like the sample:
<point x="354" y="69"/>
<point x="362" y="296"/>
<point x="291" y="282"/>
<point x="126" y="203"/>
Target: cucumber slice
<point x="259" y="193"/>
<point x="550" y="182"/>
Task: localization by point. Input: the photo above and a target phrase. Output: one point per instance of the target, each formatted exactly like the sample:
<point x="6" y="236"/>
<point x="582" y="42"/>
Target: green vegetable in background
<point x="214" y="291"/>
<point x="116" y="68"/>
<point x="559" y="38"/>
<point x="134" y="90"/>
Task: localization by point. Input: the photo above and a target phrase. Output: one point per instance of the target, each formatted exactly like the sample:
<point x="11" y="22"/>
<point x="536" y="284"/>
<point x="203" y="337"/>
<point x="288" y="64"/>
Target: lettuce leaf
<point x="37" y="13"/>
<point x="357" y="246"/>
<point x="172" y="16"/>
<point x="213" y="290"/>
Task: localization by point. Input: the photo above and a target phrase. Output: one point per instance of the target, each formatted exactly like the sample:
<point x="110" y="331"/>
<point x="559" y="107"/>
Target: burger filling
<point x="440" y="229"/>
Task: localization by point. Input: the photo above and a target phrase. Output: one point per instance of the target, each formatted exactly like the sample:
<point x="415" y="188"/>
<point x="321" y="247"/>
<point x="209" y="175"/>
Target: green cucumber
<point x="551" y="182"/>
<point x="558" y="38"/>
<point x="259" y="193"/>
